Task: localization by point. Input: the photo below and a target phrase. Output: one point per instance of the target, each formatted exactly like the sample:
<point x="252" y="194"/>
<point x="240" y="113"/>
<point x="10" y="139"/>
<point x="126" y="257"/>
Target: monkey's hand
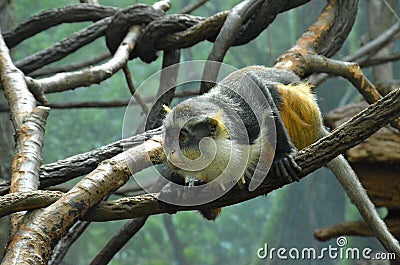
<point x="168" y="193"/>
<point x="175" y="192"/>
<point x="286" y="168"/>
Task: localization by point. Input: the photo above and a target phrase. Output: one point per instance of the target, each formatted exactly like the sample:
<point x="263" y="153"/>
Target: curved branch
<point x="65" y="47"/>
<point x="54" y="17"/>
<point x="325" y="37"/>
<point x="225" y="39"/>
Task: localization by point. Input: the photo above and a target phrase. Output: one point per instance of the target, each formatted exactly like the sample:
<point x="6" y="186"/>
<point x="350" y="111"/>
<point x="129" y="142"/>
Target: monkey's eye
<point x="182" y="136"/>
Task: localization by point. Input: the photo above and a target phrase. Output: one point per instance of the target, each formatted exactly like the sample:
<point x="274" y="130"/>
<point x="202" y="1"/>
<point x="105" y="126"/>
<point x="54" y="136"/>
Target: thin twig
<point x="192" y="6"/>
<point x="132" y="89"/>
<point x="115" y="244"/>
<point x="69" y="67"/>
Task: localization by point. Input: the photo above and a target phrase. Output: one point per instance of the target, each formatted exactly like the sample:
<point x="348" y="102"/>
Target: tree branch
<point x="325" y="37"/>
<point x="54" y="17"/>
<point x="353" y="73"/>
<point x="69" y="67"/>
<point x="309" y="159"/>
<point x="62" y="214"/>
<point x="359" y="228"/>
<point x="118" y="241"/>
<point x="81" y="164"/>
<point x="29" y="122"/>
<point x="226" y="36"/>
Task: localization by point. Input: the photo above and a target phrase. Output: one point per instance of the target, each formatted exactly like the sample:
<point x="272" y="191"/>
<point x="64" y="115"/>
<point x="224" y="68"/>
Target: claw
<point x="286" y="169"/>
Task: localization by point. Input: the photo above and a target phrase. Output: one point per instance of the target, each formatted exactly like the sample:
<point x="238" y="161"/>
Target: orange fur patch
<point x="300" y="113"/>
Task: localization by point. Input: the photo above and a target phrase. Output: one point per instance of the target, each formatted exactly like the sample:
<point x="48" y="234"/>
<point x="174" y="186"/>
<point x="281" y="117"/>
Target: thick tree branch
<point x="63" y="48"/>
<point x="311" y="158"/>
<point x="54" y="17"/>
<point x="62" y="214"/>
<point x="29" y="122"/>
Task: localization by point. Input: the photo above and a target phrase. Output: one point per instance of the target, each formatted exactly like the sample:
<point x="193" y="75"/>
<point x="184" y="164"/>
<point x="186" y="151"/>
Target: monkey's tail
<point x="349" y="181"/>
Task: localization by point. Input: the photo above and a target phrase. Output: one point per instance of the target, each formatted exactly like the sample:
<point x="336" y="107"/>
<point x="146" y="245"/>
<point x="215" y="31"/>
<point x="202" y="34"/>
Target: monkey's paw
<point x="286" y="169"/>
<point x="181" y="195"/>
<point x="169" y="193"/>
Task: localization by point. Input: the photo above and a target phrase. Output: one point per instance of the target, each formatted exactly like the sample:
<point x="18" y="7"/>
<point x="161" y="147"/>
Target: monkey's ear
<point x="166" y="108"/>
<point x="218" y="120"/>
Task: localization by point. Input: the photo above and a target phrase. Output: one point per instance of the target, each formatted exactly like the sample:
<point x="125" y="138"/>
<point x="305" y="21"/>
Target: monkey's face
<point x="197" y="145"/>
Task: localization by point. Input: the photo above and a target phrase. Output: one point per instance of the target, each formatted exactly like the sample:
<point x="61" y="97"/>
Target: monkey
<point x="233" y="121"/>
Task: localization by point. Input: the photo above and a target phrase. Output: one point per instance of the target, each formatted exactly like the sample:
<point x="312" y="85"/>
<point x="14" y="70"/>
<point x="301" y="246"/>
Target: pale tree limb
<point x="81" y="164"/>
<point x="351" y="133"/>
<point x="19" y="98"/>
<point x="29" y="122"/>
<point x="45" y="227"/>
